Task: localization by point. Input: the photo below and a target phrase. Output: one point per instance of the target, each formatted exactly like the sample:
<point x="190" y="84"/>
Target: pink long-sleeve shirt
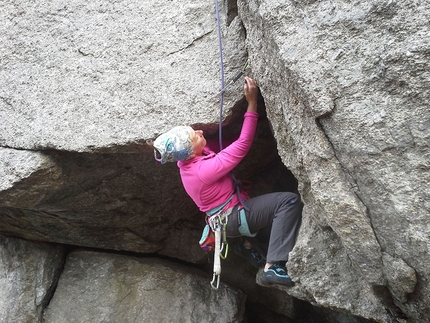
<point x="207" y="178"/>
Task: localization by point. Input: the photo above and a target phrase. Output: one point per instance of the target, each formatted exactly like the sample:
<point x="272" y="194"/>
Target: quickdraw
<point x="218" y="224"/>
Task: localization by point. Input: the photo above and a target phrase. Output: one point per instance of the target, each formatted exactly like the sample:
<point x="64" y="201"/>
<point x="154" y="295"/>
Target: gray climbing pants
<point x="276" y="218"/>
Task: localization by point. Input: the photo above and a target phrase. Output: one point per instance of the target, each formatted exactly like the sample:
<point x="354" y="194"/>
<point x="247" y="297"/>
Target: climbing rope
<point x="221" y="65"/>
<point x="237" y="184"/>
<point x="216" y="227"/>
<point x="220" y="228"/>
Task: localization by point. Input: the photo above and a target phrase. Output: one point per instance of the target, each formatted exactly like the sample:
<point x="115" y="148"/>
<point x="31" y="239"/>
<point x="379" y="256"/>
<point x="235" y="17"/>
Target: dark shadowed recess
<point x="262" y="165"/>
<point x="304" y="313"/>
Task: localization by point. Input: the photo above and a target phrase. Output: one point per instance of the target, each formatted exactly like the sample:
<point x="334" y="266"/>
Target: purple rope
<point x="236" y="183"/>
<point x="221" y="63"/>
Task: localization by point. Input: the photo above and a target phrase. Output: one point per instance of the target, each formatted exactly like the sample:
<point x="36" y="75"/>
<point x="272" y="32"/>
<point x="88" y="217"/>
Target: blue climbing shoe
<point x="250" y="254"/>
<point x="276" y="274"/>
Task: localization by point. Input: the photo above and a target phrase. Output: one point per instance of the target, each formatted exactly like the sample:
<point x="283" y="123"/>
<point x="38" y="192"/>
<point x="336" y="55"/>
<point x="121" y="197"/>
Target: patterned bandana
<point x="174" y="145"/>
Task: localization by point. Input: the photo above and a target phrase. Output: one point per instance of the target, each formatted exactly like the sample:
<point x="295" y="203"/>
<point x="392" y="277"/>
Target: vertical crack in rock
<point x="350" y="179"/>
<point x="380" y="290"/>
<point x="400" y="277"/>
<point x="348" y="174"/>
<point x="29" y="272"/>
<point x="53" y="286"/>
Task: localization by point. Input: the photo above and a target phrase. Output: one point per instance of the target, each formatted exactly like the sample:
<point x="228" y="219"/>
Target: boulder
<point x="98" y="287"/>
<point x="345" y="87"/>
<point x="29" y="273"/>
<point x="82" y="77"/>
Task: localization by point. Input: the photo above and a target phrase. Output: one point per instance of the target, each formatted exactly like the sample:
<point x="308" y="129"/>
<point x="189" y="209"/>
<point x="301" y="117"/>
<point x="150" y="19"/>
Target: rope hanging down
<point x="217" y="251"/>
<point x="237" y="184"/>
<point x="221" y="65"/>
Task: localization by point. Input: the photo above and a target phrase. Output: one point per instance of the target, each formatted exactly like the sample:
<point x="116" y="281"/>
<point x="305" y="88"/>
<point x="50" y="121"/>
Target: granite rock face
<point x="346" y="89"/>
<point x="97" y="287"/>
<point x="80" y="77"/>
<point x="28" y="276"/>
<point x="83" y="86"/>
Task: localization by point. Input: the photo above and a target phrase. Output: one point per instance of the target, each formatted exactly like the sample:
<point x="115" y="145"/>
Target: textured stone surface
<point x="347" y="94"/>
<point x="345" y="86"/>
<point x="97" y="287"/>
<point x="402" y="281"/>
<point x="326" y="276"/>
<point x="28" y="275"/>
<point x="80" y="76"/>
<point x="103" y="201"/>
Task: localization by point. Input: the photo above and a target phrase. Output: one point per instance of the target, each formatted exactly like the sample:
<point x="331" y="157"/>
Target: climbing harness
<point x="219" y="208"/>
<point x="207" y="240"/>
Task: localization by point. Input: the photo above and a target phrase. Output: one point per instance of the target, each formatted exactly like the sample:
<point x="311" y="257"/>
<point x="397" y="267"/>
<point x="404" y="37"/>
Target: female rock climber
<point x="206" y="178"/>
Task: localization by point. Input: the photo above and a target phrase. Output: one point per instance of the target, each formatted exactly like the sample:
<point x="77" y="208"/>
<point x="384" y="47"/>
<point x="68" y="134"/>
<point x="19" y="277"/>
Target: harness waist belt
<point x="219" y="207"/>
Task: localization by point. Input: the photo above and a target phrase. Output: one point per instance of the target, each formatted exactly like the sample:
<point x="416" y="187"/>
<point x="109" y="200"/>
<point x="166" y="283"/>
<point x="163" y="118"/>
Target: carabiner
<point x="215" y="280"/>
<point x="224" y="246"/>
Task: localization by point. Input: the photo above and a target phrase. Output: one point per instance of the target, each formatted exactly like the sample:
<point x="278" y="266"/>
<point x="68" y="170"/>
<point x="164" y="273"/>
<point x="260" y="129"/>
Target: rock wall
<point x="28" y="276"/>
<point x="83" y="86"/>
<point x="348" y="99"/>
<point x="105" y="287"/>
<point x="125" y="289"/>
